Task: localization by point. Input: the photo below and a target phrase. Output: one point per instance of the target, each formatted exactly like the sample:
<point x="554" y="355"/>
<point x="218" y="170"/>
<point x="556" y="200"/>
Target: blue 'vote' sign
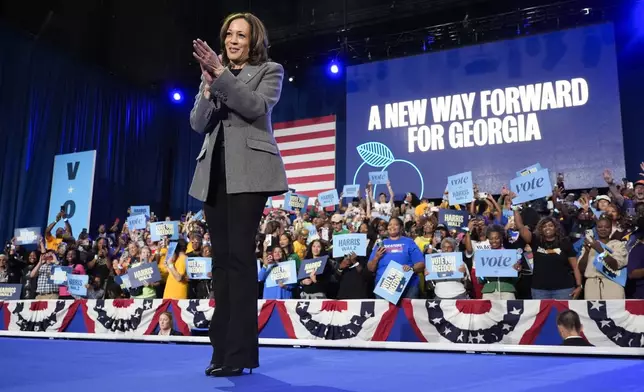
<point x="532" y="186"/>
<point x="496" y="263"/>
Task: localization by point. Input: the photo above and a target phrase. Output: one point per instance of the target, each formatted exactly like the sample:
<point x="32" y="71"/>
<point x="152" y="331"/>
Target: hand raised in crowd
<point x="608" y="176"/>
<point x="380" y="252"/>
<point x="642" y="169"/>
<point x="406" y="268"/>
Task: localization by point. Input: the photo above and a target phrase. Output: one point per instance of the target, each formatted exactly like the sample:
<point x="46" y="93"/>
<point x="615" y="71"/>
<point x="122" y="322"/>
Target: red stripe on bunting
<point x="265" y="314"/>
<point x="89" y="323"/>
<point x="386" y="324"/>
<point x="182" y="326"/>
<point x="544" y="310"/>
<point x="71" y="312"/>
<point x="286" y="320"/>
<point x="409" y="313"/>
<point x="473" y="306"/>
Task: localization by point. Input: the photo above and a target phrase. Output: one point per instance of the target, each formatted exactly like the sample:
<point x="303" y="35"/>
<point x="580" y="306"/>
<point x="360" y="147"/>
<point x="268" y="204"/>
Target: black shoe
<point x="212" y="368"/>
<point x="227" y="371"/>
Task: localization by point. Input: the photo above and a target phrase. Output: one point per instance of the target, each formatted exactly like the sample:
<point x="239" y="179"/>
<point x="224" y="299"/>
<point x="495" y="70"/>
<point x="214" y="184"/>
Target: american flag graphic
<point x="308" y="150"/>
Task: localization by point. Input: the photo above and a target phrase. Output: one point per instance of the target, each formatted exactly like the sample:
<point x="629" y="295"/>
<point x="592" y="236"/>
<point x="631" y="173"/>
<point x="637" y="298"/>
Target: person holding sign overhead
<point x="238" y="168"/>
<point x="402" y="250"/>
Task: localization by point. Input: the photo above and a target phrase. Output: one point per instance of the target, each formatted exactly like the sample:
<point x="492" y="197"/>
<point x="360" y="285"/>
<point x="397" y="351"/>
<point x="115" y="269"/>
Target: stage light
<point x="291" y="79"/>
<point x="334" y="69"/>
<point x="176" y="96"/>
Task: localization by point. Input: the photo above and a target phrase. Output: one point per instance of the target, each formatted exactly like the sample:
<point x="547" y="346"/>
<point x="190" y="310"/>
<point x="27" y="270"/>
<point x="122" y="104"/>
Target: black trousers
<point x="233" y="221"/>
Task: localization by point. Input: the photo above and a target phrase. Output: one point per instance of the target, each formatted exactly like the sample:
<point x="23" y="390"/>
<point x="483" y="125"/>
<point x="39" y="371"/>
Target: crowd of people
<point x="559" y="238"/>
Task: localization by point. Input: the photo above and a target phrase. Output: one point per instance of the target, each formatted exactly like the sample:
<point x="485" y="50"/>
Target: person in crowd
<point x="176" y="286"/>
<point x="635" y="266"/>
<point x="555" y="274"/>
<point x="381" y="207"/>
<point x="274" y="256"/>
<point x="4" y="268"/>
<point x="286" y="243"/>
<point x="612" y="254"/>
<point x="95" y="288"/>
<point x="43" y="271"/>
<point x="72" y="260"/>
<point x="315" y="286"/>
<point x="299" y="245"/>
<point x="337" y="222"/>
<point x="498" y="288"/>
<point x="148" y="290"/>
<point x="451" y="288"/>
<point x="53" y="242"/>
<point x="402" y="250"/>
<point x="198" y="288"/>
<point x="166" y="323"/>
<point x="570" y="329"/>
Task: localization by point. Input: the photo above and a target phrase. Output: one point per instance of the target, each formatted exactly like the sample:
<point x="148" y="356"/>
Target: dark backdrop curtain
<point x="49" y="105"/>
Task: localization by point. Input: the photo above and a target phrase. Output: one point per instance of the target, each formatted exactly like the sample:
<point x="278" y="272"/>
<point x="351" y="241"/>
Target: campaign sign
<point x="140" y="210"/>
<point x="284" y="272"/>
<point x="498" y="263"/>
<point x="72" y="188"/>
<point x="10" y="292"/>
<point x="199" y="215"/>
<point x="531" y="186"/>
<point x="460" y="188"/>
<point x="164" y="229"/>
<point x="379" y="178"/>
<point x="529" y="170"/>
<point x="453" y="219"/>
<point x="76" y="285"/>
<point x="617" y="276"/>
<point x="310" y="265"/>
<point x="59" y="275"/>
<point x="172" y="247"/>
<point x="27" y="235"/>
<point x="345" y="244"/>
<point x="328" y="198"/>
<point x="136" y="222"/>
<point x="294" y="200"/>
<point x="123" y="281"/>
<point x="393" y="282"/>
<point x="199" y="267"/>
<point x="145" y="273"/>
<point x="351" y="190"/>
<point x="443" y="266"/>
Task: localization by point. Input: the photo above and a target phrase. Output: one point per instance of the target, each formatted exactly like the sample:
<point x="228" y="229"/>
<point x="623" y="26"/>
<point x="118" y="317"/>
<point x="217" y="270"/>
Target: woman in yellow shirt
<point x="176" y="286"/>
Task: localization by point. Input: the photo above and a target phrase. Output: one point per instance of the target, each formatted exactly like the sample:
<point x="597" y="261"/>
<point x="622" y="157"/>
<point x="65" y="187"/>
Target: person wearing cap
<point x="337" y="221"/>
<point x="638" y="189"/>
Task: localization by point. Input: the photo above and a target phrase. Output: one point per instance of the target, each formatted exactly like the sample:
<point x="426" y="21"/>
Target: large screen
<point x="492" y="109"/>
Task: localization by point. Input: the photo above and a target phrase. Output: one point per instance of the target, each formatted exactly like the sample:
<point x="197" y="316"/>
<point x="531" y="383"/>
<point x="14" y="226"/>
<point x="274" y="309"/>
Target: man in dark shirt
<point x="570" y="329"/>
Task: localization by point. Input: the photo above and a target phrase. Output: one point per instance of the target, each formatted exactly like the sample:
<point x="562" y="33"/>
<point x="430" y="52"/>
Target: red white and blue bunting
<point x="197" y="313"/>
<point x="618" y="323"/>
<point x="471" y="321"/>
<point x="337" y="320"/>
<point x="39" y="316"/>
<point x="123" y="316"/>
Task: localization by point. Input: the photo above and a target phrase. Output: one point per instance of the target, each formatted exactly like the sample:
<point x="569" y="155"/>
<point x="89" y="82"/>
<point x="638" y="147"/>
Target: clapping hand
<point x="211" y="64"/>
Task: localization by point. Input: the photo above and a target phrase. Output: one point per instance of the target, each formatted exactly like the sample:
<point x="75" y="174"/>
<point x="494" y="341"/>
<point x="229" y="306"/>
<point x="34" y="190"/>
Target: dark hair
<point x="271" y="227"/>
<point x="495" y="229"/>
<point x="559" y="233"/>
<point x="290" y="249"/>
<point x="569" y="319"/>
<point x="258" y="48"/>
<point x="309" y="249"/>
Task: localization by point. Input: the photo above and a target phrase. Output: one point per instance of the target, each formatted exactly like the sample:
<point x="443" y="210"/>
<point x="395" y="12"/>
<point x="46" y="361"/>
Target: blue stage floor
<point x="67" y="365"/>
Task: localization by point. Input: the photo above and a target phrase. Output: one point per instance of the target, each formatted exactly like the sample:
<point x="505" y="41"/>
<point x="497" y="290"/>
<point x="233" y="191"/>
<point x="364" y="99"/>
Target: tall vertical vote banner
<point x="490" y="109"/>
<point x="72" y="188"/>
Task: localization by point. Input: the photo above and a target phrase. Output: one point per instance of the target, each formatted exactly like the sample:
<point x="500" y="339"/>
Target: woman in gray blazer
<point x="238" y="168"/>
